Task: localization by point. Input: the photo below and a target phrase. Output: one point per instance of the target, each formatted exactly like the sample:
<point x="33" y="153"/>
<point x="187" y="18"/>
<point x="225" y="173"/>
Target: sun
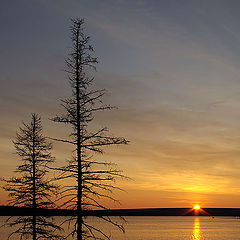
<point x="196" y="207"/>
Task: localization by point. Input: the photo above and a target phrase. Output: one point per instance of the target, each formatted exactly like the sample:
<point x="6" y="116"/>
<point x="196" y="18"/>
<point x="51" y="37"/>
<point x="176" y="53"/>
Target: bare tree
<point x="31" y="188"/>
<point x="92" y="179"/>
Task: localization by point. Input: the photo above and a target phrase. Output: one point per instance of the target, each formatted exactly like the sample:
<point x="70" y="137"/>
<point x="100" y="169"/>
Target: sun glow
<point x="196" y="207"/>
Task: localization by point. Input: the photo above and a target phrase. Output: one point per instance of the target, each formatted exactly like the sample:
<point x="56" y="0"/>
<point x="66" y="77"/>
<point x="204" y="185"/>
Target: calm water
<point x="168" y="228"/>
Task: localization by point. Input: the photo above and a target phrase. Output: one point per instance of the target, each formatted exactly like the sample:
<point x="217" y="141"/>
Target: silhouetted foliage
<point x="31" y="188"/>
<point x="92" y="179"/>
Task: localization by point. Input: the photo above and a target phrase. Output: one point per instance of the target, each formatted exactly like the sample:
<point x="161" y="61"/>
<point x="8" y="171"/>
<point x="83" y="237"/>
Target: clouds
<point x="171" y="67"/>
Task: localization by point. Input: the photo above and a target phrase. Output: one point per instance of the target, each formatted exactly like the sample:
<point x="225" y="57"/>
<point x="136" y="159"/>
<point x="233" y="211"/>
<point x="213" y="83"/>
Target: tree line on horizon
<point x="89" y="180"/>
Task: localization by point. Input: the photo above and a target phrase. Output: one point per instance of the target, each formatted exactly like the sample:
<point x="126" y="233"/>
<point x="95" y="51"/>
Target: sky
<point x="172" y="69"/>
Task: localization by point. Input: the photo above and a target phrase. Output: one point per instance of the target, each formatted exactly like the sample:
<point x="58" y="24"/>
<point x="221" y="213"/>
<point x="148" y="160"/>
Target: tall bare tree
<point x="92" y="179"/>
<point x="31" y="188"/>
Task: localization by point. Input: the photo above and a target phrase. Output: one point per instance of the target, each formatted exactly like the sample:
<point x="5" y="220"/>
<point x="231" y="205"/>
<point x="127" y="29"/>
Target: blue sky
<point x="172" y="68"/>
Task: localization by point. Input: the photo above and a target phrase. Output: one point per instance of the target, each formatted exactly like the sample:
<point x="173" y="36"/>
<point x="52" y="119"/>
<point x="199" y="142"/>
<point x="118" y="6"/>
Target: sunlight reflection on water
<point x="196" y="230"/>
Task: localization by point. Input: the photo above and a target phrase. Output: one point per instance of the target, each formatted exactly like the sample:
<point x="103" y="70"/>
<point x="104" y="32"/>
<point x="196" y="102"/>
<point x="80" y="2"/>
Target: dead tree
<point x="92" y="179"/>
<point x="31" y="188"/>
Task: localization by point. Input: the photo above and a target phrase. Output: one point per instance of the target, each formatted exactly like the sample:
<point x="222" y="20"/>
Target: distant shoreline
<point x="18" y="211"/>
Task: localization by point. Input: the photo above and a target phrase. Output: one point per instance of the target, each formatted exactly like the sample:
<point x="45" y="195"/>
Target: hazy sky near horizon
<point x="173" y="69"/>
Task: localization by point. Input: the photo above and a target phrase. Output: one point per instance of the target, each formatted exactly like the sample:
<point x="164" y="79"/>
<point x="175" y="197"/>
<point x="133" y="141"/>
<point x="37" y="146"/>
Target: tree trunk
<point x="34" y="179"/>
<point x="79" y="197"/>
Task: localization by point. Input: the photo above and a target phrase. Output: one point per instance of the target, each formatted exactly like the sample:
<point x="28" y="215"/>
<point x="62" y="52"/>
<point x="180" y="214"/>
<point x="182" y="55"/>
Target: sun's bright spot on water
<point x="196" y="235"/>
<point x="196" y="207"/>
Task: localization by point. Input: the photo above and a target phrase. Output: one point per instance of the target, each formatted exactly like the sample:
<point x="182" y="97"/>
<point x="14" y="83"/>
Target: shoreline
<point x="20" y="211"/>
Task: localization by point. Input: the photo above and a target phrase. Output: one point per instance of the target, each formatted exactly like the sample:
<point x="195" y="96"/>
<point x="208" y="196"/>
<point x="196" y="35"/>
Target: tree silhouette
<point x="92" y="179"/>
<point x="31" y="188"/>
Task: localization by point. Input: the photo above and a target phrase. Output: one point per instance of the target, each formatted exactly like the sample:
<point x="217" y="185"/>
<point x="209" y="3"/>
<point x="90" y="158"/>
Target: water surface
<point x="166" y="228"/>
<point x="181" y="228"/>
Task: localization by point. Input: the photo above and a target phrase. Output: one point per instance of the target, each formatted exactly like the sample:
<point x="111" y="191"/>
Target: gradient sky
<point x="173" y="69"/>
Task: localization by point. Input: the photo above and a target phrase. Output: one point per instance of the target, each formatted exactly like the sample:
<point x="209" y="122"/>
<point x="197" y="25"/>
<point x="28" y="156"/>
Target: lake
<point x="167" y="228"/>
